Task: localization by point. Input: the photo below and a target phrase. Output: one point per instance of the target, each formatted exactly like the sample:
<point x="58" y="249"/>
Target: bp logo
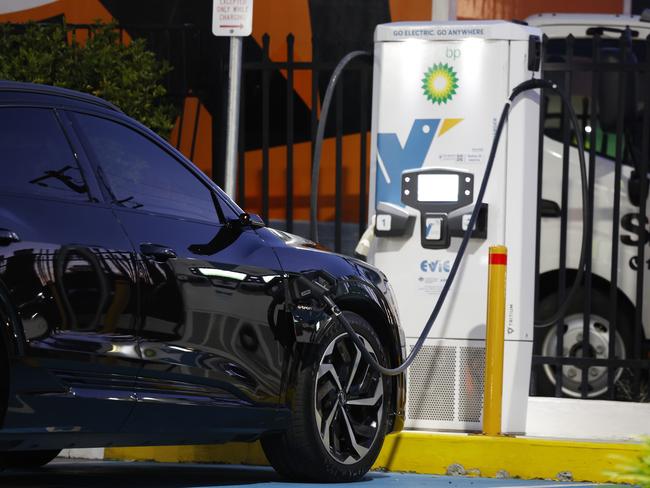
<point x="440" y="83"/>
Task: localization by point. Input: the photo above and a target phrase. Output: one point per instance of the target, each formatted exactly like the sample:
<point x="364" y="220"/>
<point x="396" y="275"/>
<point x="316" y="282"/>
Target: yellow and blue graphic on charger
<point x="394" y="158"/>
<point x="440" y="83"/>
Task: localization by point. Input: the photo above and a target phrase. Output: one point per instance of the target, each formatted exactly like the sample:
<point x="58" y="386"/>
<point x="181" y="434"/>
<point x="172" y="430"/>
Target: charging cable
<point x="320" y="135"/>
<point x="322" y="292"/>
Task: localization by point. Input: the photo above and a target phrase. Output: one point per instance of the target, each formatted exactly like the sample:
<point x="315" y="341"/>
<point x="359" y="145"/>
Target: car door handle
<point x="158" y="252"/>
<point x="7" y="237"/>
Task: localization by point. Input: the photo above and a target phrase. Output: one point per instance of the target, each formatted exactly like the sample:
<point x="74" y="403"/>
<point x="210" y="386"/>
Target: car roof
<point x="26" y="92"/>
<point x="586" y="19"/>
<point x="561" y="25"/>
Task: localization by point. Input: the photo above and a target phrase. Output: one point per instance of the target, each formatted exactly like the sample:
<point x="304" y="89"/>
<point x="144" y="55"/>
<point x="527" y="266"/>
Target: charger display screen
<point x="438" y="187"/>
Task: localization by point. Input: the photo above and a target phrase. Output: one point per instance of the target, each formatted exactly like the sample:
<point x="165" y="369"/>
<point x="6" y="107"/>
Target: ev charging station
<point x="439" y="89"/>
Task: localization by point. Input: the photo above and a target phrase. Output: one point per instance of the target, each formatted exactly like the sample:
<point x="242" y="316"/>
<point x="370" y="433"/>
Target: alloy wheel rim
<point x="348" y="400"/>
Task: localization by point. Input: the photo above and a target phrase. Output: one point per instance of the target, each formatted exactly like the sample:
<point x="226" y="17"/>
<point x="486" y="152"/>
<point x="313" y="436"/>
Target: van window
<point x="35" y="157"/>
<point x="142" y="175"/>
<point x="581" y="90"/>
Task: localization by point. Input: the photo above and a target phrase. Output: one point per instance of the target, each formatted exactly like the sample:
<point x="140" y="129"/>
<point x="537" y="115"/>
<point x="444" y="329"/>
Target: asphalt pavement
<point x="106" y="474"/>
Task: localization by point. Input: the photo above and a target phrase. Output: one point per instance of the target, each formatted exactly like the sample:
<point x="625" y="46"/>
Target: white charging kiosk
<point x="439" y="89"/>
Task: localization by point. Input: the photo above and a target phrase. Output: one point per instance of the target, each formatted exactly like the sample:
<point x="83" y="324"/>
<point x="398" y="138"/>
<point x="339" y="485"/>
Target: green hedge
<point x="634" y="471"/>
<point x="129" y="76"/>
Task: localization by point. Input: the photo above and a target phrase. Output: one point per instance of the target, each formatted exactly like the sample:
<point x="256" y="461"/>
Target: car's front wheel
<point x="340" y="410"/>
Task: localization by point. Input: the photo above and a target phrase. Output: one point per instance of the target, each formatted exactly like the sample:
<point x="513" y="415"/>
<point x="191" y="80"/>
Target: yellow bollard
<point x="496" y="316"/>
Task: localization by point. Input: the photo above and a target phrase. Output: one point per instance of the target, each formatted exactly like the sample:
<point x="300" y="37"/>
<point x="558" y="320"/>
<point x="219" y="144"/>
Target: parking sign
<point x="232" y="18"/>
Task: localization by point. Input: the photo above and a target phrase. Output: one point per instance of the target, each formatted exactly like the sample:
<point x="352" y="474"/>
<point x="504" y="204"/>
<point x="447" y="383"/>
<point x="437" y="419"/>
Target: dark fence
<point x="598" y="350"/>
<point x="289" y="116"/>
<point x="183" y="47"/>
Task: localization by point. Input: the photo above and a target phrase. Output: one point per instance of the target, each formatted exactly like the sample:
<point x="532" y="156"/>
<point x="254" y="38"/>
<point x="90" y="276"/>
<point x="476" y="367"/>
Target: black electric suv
<point x="139" y="305"/>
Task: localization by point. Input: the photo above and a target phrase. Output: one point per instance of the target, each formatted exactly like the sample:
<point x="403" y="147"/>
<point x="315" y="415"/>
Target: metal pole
<point x="627" y="7"/>
<point x="234" y="90"/>
<point x="496" y="315"/>
<point x="443" y="9"/>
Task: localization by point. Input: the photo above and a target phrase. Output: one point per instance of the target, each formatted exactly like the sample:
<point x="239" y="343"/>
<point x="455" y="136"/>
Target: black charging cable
<point x="320" y="135"/>
<point x="323" y="293"/>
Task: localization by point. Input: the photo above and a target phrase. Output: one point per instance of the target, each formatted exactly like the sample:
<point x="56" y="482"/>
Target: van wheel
<point x="27" y="459"/>
<point x="545" y="344"/>
<point x="340" y="410"/>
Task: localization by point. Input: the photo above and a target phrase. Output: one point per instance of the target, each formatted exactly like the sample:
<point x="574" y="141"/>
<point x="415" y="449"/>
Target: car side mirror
<point x="251" y="220"/>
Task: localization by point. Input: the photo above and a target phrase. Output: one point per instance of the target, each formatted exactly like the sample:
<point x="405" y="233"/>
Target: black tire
<point x="300" y="453"/>
<point x="26" y="459"/>
<point x="545" y="343"/>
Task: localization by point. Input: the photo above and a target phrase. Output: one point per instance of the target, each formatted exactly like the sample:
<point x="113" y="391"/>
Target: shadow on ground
<point x="64" y="473"/>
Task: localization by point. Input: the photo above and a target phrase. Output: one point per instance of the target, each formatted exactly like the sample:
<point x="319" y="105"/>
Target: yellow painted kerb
<point x="518" y="457"/>
<point x="428" y="453"/>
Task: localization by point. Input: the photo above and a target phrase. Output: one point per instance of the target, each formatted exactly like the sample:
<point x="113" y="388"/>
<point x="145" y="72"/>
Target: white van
<point x="627" y="344"/>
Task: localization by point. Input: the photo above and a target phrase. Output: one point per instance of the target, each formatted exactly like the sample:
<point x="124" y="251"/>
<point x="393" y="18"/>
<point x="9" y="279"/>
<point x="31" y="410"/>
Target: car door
<point x="205" y="337"/>
<point x="69" y="270"/>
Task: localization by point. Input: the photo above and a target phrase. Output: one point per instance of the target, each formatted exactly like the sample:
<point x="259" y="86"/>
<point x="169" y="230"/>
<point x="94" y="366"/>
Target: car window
<point x="231" y="210"/>
<point x="35" y="156"/>
<point x="142" y="175"/>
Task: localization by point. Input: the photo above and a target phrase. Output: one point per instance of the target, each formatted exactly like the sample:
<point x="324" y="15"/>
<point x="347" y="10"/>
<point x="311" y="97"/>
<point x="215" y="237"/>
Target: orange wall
<point x="197" y="148"/>
<point x="278" y="18"/>
<point x="75" y="11"/>
<point x="351" y="145"/>
<point x="520" y="9"/>
<point x="406" y="10"/>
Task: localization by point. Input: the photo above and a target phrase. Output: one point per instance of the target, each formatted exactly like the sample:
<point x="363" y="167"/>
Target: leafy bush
<point x="636" y="471"/>
<point x="129" y="76"/>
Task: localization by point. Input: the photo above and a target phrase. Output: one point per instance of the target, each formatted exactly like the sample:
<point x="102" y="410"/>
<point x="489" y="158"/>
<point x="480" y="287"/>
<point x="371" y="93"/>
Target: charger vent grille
<point x="471" y="362"/>
<point x="432" y="383"/>
<point x="445" y="385"/>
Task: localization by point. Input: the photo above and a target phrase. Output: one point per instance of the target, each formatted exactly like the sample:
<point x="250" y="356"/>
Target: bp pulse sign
<point x="232" y="17"/>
